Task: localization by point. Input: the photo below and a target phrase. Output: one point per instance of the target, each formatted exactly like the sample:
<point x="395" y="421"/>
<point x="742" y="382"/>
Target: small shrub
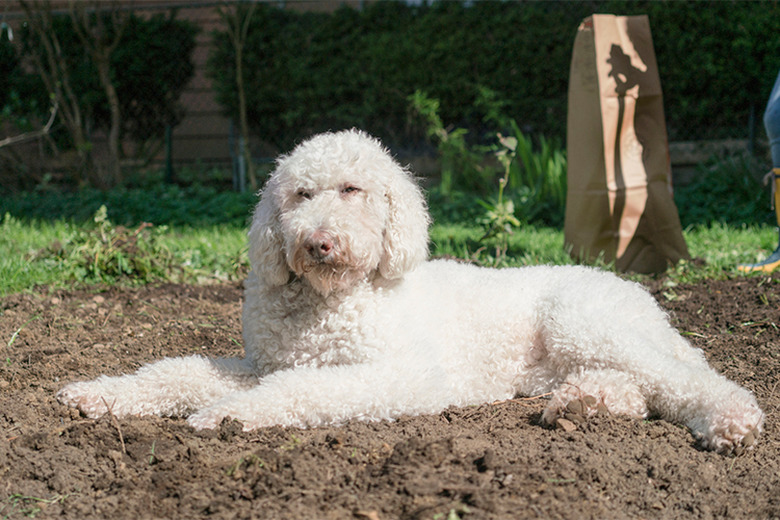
<point x="728" y="191"/>
<point x="537" y="179"/>
<point x="109" y="253"/>
<point x="463" y="167"/>
<point x="499" y="220"/>
<point x="534" y="177"/>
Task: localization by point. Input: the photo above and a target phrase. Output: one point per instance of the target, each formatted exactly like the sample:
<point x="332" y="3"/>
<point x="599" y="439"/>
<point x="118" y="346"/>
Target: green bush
<point x="534" y="177"/>
<point x="150" y="68"/>
<point x="726" y="190"/>
<point x="309" y="72"/>
<point x="160" y="205"/>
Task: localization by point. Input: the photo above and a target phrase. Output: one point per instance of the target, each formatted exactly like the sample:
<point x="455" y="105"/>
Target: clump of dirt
<point x="489" y="461"/>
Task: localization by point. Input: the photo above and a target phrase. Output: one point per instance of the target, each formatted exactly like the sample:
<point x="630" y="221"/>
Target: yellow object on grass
<point x="773" y="261"/>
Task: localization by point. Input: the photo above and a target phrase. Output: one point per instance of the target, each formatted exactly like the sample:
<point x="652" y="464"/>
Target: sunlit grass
<point x="529" y="245"/>
<point x="209" y="253"/>
<point x="219" y="252"/>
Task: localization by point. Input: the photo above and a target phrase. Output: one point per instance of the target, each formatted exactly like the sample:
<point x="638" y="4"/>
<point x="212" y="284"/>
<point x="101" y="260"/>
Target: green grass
<point x="529" y="245"/>
<point x="41" y="253"/>
<point x="721" y="247"/>
<point x="37" y="253"/>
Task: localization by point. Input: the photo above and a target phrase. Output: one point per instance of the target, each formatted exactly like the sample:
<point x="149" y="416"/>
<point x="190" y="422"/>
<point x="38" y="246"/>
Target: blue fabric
<point x="772" y="122"/>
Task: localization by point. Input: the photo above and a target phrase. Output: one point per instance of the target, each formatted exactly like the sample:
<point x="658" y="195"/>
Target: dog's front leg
<point x="308" y="397"/>
<point x="172" y="386"/>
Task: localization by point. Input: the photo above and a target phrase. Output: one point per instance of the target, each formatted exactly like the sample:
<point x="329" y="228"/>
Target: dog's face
<point x="333" y="227"/>
<point x="338" y="209"/>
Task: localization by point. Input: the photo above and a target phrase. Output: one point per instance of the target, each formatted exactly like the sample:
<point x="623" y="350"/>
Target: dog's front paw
<point x="86" y="398"/>
<point x="560" y="413"/>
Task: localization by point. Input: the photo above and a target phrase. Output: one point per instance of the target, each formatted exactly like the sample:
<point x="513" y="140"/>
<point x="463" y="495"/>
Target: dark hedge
<point x="150" y="67"/>
<point x="309" y="72"/>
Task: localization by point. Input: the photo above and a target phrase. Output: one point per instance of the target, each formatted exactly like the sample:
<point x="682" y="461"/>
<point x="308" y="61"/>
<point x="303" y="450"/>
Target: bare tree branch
<point x="34" y="134"/>
<point x="100" y="44"/>
<point x="53" y="70"/>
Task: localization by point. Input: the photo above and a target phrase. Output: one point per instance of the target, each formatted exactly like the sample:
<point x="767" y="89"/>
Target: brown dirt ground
<point x="490" y="461"/>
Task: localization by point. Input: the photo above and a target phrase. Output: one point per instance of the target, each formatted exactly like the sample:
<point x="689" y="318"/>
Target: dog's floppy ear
<point x="406" y="231"/>
<point x="266" y="247"/>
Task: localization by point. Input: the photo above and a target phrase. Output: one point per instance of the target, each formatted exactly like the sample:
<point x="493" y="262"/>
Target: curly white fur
<point x="345" y="319"/>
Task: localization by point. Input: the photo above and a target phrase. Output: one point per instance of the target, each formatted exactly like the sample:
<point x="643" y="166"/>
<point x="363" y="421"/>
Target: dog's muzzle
<point x="320" y="247"/>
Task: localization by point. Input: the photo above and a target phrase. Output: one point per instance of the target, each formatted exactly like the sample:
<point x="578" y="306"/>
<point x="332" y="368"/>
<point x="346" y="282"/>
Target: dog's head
<point x="336" y="210"/>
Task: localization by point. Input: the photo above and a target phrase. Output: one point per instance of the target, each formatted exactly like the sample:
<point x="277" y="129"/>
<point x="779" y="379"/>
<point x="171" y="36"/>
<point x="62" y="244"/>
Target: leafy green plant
<point x="534" y="179"/>
<point x="108" y="253"/>
<point x="499" y="220"/>
<point x="462" y="167"/>
<point x="537" y="179"/>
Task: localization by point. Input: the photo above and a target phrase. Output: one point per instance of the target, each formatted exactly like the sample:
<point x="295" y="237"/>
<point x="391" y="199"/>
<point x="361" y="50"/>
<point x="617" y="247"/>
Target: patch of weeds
<point x="109" y="253"/>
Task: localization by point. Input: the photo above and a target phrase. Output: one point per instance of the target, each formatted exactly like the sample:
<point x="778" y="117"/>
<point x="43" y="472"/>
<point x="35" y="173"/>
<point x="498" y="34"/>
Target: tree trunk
<point x="100" y="44"/>
<point x="114" y="173"/>
<point x="49" y="63"/>
<point x="250" y="165"/>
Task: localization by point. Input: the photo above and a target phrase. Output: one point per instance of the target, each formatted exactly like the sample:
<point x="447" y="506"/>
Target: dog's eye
<point x="346" y="190"/>
<point x="303" y="194"/>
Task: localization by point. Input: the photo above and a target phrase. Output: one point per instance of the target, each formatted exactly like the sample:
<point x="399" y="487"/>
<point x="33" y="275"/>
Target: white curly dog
<point x="345" y="319"/>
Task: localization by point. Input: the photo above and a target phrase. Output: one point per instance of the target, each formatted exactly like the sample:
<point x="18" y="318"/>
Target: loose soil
<point x="489" y="461"/>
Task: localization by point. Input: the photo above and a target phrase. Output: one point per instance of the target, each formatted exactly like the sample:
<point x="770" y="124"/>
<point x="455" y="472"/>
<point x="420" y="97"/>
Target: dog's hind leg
<point x="680" y="386"/>
<point x="172" y="386"/>
<point x="587" y="392"/>
<point x="655" y="363"/>
<point x="724" y="416"/>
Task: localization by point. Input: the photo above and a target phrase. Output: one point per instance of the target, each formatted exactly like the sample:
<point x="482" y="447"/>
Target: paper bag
<point x="619" y="203"/>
